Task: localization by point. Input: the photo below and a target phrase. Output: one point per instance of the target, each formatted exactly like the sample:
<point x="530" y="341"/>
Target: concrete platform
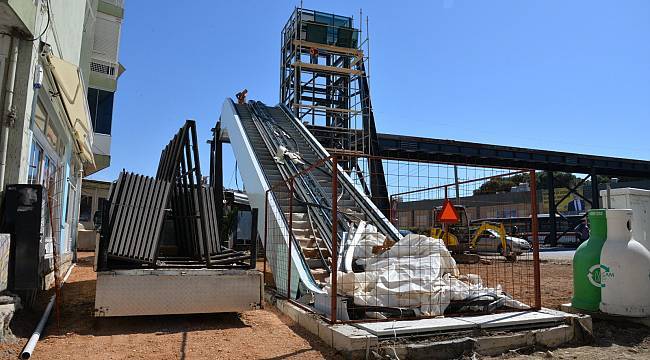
<point x="444" y="338"/>
<point x="530" y="319"/>
<point x="602" y="316"/>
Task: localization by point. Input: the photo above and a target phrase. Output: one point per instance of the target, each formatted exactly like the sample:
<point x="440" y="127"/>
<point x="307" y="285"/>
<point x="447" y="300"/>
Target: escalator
<point x="271" y="146"/>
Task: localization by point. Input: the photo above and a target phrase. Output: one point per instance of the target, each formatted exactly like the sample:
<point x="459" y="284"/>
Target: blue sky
<point x="570" y="76"/>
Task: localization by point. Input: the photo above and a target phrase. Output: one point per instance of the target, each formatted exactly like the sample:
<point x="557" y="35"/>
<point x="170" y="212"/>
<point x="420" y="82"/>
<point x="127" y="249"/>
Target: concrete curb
<point x="645" y="321"/>
<point x="352" y="342"/>
<point x="355" y="343"/>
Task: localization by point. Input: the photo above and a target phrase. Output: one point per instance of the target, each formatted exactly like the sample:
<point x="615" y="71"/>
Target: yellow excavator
<point x="460" y="237"/>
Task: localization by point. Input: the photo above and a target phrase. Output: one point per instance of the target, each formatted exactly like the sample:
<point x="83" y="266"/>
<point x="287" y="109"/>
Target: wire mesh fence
<point x="325" y="235"/>
<point x="57" y="217"/>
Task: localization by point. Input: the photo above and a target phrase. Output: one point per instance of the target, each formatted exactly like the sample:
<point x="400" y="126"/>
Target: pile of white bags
<point x="417" y="272"/>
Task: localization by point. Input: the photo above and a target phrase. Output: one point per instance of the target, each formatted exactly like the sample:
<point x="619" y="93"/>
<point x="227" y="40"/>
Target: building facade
<point x="58" y="74"/>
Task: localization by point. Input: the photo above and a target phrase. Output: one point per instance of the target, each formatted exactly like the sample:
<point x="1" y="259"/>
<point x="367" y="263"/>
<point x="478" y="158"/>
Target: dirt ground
<point x="612" y="340"/>
<point x="517" y="279"/>
<point x="261" y="334"/>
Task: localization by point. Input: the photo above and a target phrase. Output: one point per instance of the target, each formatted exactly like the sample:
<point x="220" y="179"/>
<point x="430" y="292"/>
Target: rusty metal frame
<point x="332" y="316"/>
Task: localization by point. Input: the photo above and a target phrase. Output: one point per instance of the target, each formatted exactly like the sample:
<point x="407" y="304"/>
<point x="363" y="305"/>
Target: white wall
<point x="66" y="28"/>
<point x="639" y="201"/>
<point x="102" y="144"/>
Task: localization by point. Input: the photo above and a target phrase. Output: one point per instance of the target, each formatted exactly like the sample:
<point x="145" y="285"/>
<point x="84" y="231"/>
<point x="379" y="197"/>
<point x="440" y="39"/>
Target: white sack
<point x="417" y="272"/>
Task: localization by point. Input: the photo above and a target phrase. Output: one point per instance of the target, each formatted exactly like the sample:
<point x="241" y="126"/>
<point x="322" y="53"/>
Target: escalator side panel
<point x="256" y="184"/>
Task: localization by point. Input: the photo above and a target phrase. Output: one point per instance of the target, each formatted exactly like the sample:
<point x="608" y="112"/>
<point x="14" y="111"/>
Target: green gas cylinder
<point x="586" y="264"/>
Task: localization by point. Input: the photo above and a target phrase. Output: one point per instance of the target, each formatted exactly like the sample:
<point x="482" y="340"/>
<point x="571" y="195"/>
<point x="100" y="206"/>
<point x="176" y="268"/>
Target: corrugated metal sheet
<point x="139" y="205"/>
<point x="137" y="209"/>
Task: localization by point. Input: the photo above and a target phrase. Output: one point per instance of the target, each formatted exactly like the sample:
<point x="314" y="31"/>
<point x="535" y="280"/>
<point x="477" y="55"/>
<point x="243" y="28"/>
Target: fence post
<point x="254" y="212"/>
<point x="534" y="226"/>
<point x="335" y="180"/>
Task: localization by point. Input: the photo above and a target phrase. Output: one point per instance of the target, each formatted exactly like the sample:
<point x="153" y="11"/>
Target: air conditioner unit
<point x="104" y="68"/>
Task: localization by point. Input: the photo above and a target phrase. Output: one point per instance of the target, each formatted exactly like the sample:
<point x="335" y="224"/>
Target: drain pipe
<point x="31" y="344"/>
<point x="9" y="114"/>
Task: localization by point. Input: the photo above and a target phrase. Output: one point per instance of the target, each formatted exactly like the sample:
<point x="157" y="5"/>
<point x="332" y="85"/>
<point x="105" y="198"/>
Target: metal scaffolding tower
<point x="323" y="80"/>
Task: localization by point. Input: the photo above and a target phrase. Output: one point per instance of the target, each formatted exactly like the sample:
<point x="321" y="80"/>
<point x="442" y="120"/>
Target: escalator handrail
<point x="363" y="201"/>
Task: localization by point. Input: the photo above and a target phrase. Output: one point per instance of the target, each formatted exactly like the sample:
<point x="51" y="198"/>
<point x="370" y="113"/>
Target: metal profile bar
<point x="138" y="209"/>
<point x="552" y="211"/>
<point x="216" y="176"/>
<point x="183" y="189"/>
<point x="155" y="245"/>
<point x="335" y="249"/>
<point x="533" y="217"/>
<point x="188" y="194"/>
<point x="156" y="214"/>
<point x="461" y="152"/>
<point x="122" y="218"/>
<point x="141" y="204"/>
<point x="253" y="259"/>
<point x="134" y="214"/>
<point x="147" y="220"/>
<point x="195" y="190"/>
<point x="116" y="190"/>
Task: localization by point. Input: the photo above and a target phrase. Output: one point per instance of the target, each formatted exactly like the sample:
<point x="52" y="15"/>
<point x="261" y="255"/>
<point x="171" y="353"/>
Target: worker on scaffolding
<point x="241" y="97"/>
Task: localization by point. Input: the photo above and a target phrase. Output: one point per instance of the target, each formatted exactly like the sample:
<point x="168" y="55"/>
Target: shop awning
<point x="71" y="88"/>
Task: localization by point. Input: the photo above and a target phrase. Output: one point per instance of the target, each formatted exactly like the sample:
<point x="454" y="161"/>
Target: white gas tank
<point x="624" y="269"/>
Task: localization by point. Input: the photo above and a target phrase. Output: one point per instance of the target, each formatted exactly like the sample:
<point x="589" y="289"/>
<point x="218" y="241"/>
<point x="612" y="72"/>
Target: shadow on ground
<point x="608" y="333"/>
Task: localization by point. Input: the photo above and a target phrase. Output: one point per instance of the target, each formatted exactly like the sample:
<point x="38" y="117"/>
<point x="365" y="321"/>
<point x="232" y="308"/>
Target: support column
<point x="595" y="192"/>
<point x="550" y="184"/>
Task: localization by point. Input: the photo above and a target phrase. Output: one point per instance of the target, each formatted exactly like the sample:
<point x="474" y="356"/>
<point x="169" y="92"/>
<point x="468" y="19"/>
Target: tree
<point x="501" y="184"/>
<point x="505" y="184"/>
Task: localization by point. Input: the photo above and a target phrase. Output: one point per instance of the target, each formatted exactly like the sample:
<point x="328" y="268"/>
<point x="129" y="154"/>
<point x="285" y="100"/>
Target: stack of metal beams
<point x="142" y="212"/>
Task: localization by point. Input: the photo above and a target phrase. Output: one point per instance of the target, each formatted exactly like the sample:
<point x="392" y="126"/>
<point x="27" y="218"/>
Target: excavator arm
<point x="498" y="227"/>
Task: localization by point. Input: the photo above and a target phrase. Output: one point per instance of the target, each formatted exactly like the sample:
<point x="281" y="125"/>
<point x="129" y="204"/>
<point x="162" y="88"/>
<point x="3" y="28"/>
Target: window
<point x="52" y="137"/>
<point x="48" y="174"/>
<point x="100" y="203"/>
<point x="34" y="163"/>
<point x="43" y="122"/>
<point x="85" y="208"/>
<point x="40" y="117"/>
<point x="100" y="103"/>
<point x="72" y="198"/>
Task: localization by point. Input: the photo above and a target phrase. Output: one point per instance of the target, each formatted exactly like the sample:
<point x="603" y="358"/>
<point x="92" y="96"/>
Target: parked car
<point x="490" y="242"/>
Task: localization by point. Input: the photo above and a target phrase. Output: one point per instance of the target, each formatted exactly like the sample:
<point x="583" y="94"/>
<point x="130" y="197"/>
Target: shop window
<point x="100" y="103"/>
<point x="35" y="158"/>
